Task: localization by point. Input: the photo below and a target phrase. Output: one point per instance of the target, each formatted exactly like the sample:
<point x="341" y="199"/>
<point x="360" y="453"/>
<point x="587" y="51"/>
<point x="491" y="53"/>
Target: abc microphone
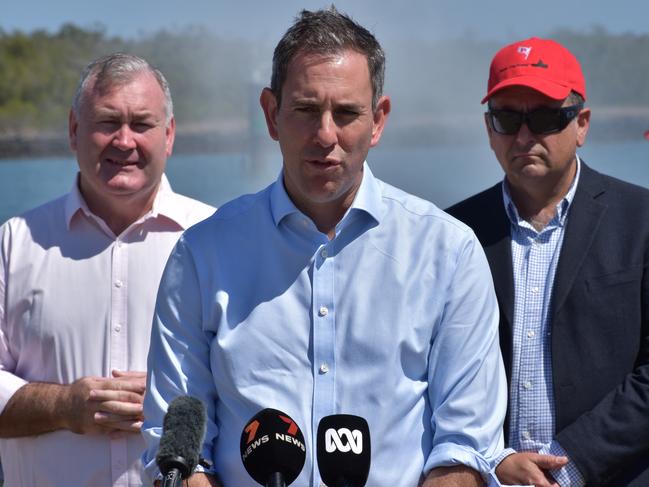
<point x="183" y="430"/>
<point x="272" y="448"/>
<point x="343" y="449"/>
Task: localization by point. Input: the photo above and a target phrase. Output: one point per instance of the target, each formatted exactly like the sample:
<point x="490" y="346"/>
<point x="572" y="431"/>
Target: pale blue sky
<point x="501" y="20"/>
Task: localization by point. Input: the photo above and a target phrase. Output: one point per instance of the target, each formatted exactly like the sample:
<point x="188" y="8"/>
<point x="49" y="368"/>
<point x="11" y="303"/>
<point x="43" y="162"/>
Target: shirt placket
<point x="530" y="343"/>
<point x="118" y="348"/>
<point x="323" y="318"/>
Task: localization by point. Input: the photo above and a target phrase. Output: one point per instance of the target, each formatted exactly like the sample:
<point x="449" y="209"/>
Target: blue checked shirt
<point x="535" y="256"/>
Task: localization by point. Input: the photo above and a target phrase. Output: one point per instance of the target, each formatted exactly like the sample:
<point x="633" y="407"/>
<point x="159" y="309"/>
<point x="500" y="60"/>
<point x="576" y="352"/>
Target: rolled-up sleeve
<point x="9" y="382"/>
<point x="467" y="384"/>
<point x="179" y="349"/>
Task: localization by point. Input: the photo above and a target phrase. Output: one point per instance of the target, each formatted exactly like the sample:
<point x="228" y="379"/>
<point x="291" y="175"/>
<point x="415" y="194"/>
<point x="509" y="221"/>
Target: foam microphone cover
<point x="344" y="450"/>
<point x="271" y="444"/>
<point x="183" y="431"/>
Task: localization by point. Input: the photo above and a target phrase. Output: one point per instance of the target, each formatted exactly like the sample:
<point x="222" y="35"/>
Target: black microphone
<point x="272" y="448"/>
<point x="344" y="451"/>
<point x="183" y="431"/>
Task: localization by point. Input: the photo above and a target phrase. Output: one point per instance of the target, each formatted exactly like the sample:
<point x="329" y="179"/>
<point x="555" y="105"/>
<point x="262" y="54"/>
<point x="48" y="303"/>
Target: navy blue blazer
<point x="599" y="322"/>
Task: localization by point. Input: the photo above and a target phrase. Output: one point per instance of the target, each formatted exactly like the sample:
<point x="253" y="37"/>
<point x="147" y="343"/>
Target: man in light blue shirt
<point x="332" y="292"/>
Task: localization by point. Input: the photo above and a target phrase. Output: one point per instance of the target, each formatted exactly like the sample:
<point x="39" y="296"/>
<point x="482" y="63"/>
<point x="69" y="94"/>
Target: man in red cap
<point x="569" y="253"/>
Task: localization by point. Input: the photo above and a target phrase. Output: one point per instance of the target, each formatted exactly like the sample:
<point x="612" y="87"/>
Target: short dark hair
<point x="327" y="32"/>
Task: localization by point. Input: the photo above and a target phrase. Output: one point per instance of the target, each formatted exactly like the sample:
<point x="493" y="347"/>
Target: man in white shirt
<point x="78" y="280"/>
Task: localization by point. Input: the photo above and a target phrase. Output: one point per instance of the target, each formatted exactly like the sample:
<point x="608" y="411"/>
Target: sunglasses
<point x="540" y="121"/>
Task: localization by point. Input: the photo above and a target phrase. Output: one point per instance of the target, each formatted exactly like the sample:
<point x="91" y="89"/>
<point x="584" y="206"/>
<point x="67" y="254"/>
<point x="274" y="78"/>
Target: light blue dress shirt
<point x="535" y="255"/>
<point x="394" y="319"/>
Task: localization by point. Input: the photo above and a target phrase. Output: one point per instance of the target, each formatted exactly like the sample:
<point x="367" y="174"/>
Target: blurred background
<point x="217" y="57"/>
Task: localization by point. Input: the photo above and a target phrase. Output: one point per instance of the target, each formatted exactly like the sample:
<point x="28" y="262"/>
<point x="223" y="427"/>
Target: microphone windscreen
<point x="271" y="442"/>
<point x="183" y="431"/>
<point x="344" y="450"/>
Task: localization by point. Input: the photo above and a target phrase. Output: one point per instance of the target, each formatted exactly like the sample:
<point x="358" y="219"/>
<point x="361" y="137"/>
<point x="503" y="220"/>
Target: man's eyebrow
<point x="356" y="107"/>
<point x="353" y="106"/>
<point x="136" y="115"/>
<point x="304" y="101"/>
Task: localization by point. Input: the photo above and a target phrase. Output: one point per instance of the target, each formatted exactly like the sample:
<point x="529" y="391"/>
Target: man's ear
<point x="268" y="103"/>
<point x="381" y="112"/>
<point x="170" y="135"/>
<point x="583" y="124"/>
<point x="73" y="125"/>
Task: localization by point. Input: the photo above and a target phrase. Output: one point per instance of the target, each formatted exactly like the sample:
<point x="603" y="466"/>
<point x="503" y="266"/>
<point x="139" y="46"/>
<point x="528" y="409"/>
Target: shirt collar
<point x="562" y="206"/>
<point x="367" y="199"/>
<point x="163" y="204"/>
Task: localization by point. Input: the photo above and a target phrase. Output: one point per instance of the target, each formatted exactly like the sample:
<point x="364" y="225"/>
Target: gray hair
<point x="327" y="32"/>
<point x="117" y="69"/>
<point x="575" y="98"/>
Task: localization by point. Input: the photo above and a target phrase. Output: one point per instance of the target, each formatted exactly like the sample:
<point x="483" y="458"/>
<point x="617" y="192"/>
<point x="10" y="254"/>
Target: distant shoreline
<point x="607" y="124"/>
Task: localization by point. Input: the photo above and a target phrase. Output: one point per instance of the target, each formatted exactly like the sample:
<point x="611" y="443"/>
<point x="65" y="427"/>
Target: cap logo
<point x="524" y="51"/>
<point x="540" y="64"/>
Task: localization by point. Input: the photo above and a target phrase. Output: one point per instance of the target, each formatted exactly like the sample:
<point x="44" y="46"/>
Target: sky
<point x="499" y="20"/>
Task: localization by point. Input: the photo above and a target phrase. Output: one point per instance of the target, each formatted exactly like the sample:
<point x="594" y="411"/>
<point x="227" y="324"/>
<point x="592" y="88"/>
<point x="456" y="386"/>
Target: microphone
<point x="183" y="431"/>
<point x="272" y="448"/>
<point x="344" y="451"/>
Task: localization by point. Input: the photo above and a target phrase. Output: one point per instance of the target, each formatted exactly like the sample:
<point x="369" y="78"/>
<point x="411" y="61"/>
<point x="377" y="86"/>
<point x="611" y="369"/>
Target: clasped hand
<point x="102" y="405"/>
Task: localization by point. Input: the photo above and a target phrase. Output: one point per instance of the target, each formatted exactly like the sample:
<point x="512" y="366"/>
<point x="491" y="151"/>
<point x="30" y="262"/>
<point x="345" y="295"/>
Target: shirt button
<point x="527" y="384"/>
<point x="324" y="253"/>
<point x="324" y="368"/>
<point x="323" y="311"/>
<point x="118" y="328"/>
<point x="526" y="435"/>
<point x="118" y="283"/>
<point x="535" y="289"/>
<point x="119" y="243"/>
<point x="531" y="334"/>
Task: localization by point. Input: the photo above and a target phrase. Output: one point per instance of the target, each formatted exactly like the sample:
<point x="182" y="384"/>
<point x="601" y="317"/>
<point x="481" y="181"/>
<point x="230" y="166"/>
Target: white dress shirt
<point x="75" y="301"/>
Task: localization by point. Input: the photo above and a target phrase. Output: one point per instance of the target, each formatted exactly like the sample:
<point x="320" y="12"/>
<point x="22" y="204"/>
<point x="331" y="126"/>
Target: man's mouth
<point x="120" y="162"/>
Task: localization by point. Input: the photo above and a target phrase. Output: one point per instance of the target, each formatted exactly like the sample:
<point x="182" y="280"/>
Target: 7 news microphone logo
<point x="268" y="431"/>
<point x="344" y="440"/>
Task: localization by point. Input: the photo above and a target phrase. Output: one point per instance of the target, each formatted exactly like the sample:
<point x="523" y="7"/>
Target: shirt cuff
<point x="450" y="454"/>
<point x="567" y="476"/>
<point x="153" y="472"/>
<point x="503" y="454"/>
<point x="9" y="384"/>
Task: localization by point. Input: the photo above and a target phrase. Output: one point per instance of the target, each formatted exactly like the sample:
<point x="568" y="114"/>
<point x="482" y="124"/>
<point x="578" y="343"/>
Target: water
<point x="443" y="175"/>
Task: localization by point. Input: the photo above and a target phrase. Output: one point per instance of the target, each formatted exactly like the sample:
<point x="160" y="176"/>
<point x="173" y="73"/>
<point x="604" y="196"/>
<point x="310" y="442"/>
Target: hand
<point x="203" y="480"/>
<point x="100" y="405"/>
<point x="529" y="468"/>
<point x="456" y="476"/>
<point x="199" y="480"/>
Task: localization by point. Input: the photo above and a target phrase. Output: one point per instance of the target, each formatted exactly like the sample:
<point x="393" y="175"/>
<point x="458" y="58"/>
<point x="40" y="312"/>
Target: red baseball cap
<point x="541" y="64"/>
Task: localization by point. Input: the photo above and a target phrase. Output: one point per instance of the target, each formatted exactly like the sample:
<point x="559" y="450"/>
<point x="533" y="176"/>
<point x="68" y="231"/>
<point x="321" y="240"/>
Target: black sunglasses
<point x="540" y="121"/>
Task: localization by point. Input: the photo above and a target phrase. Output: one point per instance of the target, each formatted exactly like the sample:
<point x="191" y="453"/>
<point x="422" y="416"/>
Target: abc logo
<point x="344" y="440"/>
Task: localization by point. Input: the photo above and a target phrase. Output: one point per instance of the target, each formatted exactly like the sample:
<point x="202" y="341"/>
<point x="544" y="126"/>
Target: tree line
<point x="213" y="80"/>
<point x="39" y="73"/>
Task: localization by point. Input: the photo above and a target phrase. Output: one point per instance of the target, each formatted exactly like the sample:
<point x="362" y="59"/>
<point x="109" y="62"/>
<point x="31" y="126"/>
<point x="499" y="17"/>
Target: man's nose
<point x="524" y="134"/>
<point x="124" y="139"/>
<point x="326" y="134"/>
